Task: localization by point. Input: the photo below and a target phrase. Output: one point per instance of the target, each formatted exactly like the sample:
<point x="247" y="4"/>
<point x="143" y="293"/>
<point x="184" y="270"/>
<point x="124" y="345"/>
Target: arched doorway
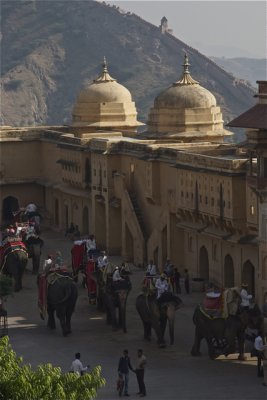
<point x="248" y="276"/>
<point x="229" y="273"/>
<point x="203" y="263"/>
<point x="85" y="228"/>
<point x="9" y="205"/>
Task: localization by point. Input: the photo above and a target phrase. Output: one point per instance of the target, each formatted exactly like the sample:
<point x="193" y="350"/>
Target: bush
<point x="5" y="285"/>
<point x="20" y="382"/>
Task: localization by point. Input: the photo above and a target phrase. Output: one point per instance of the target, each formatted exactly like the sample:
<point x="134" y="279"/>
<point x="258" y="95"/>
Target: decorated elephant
<point x="156" y="316"/>
<point x="221" y="333"/>
<point x="14" y="258"/>
<point x="112" y="297"/>
<point x="34" y="247"/>
<point x="57" y="293"/>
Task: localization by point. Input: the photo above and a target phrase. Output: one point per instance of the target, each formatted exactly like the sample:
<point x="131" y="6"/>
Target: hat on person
<point x="244" y="285"/>
<point x="163" y="276"/>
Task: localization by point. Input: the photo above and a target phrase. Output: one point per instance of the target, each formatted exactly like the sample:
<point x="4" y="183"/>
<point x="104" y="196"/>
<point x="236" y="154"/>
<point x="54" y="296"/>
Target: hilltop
<point x="51" y="49"/>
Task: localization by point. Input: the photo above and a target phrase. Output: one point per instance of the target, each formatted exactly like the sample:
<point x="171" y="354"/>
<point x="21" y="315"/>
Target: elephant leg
<point x="211" y="349"/>
<point x="157" y="328"/>
<point x="61" y="314"/>
<point x="163" y="324"/>
<point x="195" y="351"/>
<point x="241" y="346"/>
<point x="68" y="320"/>
<point x="51" y="323"/>
<point x="147" y="330"/>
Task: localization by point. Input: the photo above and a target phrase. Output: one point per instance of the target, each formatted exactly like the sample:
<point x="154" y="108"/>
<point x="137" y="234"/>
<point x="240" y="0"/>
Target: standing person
<point x="140" y="372"/>
<point x="123" y="370"/>
<point x="162" y="287"/>
<point x="177" y="277"/>
<point x="186" y="281"/>
<point x="245" y="297"/>
<point x="77" y="366"/>
<point x="259" y="347"/>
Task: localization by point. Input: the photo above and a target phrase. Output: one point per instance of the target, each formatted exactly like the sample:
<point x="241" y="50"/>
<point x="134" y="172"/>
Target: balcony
<point x="257" y="183"/>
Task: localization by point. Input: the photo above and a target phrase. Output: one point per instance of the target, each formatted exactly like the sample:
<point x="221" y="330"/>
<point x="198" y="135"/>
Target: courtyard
<point x="172" y="373"/>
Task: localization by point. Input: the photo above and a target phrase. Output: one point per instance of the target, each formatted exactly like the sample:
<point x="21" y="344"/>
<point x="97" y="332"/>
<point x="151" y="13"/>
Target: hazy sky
<point x="216" y="28"/>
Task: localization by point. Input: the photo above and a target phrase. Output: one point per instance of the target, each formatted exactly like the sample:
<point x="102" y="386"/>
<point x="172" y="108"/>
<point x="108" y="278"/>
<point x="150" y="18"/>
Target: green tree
<point x="20" y="382"/>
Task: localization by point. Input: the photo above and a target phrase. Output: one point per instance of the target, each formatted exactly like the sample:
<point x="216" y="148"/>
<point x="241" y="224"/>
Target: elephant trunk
<point x="122" y="308"/>
<point x="171" y="318"/>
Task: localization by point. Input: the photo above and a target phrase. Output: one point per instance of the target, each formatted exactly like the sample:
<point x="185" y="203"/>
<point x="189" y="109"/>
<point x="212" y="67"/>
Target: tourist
<point x="259" y="347"/>
<point x="123" y="370"/>
<point x="140" y="372"/>
<point x="77" y="366"/>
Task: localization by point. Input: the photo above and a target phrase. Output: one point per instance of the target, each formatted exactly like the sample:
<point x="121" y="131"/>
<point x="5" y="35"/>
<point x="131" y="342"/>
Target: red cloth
<point x="78" y="253"/>
<point x="42" y="295"/>
<point x="91" y="285"/>
<point x="212" y="303"/>
<point x="9" y="247"/>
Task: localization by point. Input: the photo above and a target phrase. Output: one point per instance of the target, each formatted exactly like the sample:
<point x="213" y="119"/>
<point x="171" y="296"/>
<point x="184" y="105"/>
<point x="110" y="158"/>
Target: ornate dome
<point x="184" y="109"/>
<point x="105" y="104"/>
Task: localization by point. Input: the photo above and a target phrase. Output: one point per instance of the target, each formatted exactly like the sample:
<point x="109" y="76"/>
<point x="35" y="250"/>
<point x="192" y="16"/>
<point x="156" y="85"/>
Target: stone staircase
<point x="138" y="214"/>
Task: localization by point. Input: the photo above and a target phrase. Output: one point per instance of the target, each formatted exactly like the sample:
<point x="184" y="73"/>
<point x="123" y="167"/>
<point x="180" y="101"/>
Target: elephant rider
<point x="30" y="231"/>
<point x="91" y="245"/>
<point x="245" y="297"/>
<point x="116" y="277"/>
<point x="48" y="263"/>
<point x="102" y="260"/>
<point x="151" y="269"/>
<point x="162" y="287"/>
<point x="30" y="210"/>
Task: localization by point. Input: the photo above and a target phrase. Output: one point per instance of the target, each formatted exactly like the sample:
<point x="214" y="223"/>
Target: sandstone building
<point x="175" y="190"/>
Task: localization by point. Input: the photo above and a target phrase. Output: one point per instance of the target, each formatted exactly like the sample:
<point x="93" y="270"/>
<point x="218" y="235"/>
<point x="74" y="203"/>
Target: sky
<point x="215" y="28"/>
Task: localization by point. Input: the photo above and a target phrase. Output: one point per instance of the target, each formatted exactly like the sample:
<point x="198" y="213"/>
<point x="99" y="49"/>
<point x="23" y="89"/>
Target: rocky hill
<point x="250" y="69"/>
<point x="50" y="49"/>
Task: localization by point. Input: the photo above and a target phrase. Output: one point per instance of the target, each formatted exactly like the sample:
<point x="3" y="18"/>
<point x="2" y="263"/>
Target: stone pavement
<point x="171" y="372"/>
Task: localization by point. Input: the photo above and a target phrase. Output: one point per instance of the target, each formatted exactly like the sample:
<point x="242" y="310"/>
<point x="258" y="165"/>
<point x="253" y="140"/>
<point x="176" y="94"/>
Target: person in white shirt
<point x="31" y="208"/>
<point x="245" y="297"/>
<point x="259" y="347"/>
<point x="161" y="285"/>
<point x="91" y="245"/>
<point x="116" y="275"/>
<point x="151" y="269"/>
<point x="77" y="366"/>
<point x="102" y="260"/>
<point x="47" y="264"/>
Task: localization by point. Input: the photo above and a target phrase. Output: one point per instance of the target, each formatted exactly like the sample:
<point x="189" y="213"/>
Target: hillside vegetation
<point x="50" y="49"/>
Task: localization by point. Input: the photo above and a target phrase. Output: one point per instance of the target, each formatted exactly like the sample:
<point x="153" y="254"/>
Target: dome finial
<point x="104" y="76"/>
<point x="186" y="78"/>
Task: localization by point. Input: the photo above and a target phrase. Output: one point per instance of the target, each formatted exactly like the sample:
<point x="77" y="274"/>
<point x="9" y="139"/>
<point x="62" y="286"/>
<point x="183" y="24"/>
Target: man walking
<point x="77" y="366"/>
<point x="123" y="370"/>
<point x="140" y="372"/>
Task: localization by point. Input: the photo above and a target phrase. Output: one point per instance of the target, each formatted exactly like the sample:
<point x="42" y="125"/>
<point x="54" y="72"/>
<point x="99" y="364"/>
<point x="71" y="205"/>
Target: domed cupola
<point x="185" y="110"/>
<point x="105" y="104"/>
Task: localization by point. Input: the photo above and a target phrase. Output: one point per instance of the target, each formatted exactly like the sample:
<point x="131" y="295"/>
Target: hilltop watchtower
<point x="164" y="26"/>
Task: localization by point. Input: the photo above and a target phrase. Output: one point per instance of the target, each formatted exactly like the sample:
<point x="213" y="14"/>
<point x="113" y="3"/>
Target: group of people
<point x="170" y="279"/>
<point x="53" y="262"/>
<point x="124" y="367"/>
